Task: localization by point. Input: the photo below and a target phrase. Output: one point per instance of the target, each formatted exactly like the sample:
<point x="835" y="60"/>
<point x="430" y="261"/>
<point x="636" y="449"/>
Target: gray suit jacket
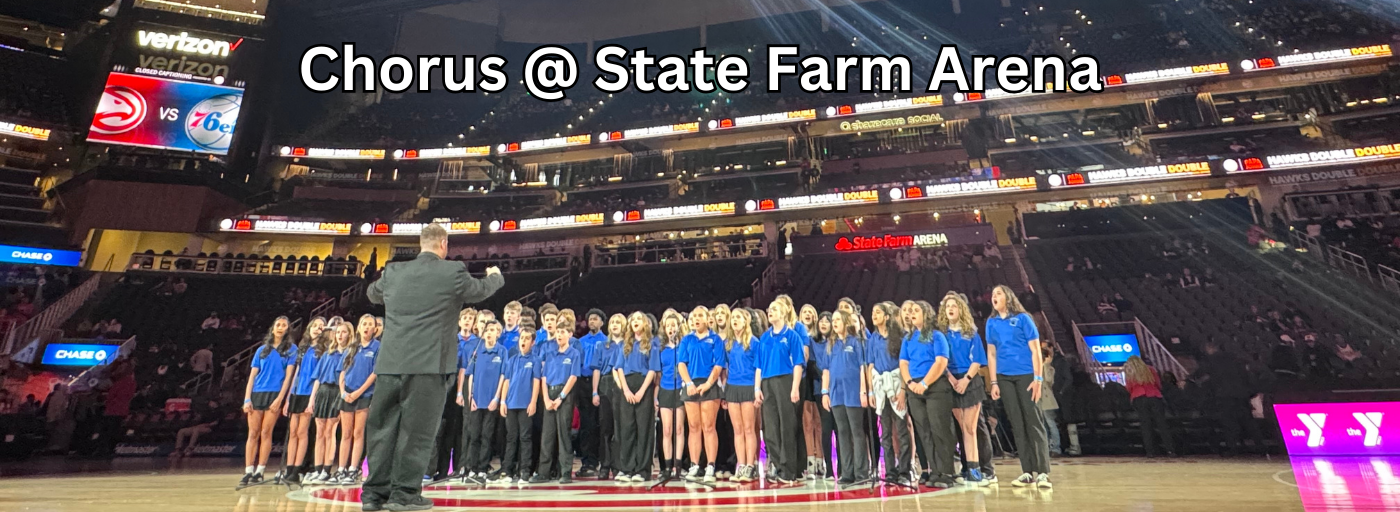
<point x="422" y="299"/>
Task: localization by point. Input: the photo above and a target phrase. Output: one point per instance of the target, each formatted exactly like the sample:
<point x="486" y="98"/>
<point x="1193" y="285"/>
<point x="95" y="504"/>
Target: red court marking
<point x="641" y="496"/>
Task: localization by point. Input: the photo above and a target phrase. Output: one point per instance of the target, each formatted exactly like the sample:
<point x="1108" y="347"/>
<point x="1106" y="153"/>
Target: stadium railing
<point x="552" y="289"/>
<point x="1389" y="278"/>
<point x="258" y="265"/>
<point x="124" y="349"/>
<point x="52" y="316"/>
<point x="671" y="251"/>
<point x="1150" y="348"/>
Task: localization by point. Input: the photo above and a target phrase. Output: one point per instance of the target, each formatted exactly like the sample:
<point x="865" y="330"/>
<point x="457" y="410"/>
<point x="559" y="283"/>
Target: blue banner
<point x="1112" y="349"/>
<point x="39" y="256"/>
<point x="73" y="354"/>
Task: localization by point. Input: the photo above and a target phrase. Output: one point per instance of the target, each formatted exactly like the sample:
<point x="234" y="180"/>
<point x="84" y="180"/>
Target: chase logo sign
<point x="38" y="256"/>
<point x="72" y="354"/>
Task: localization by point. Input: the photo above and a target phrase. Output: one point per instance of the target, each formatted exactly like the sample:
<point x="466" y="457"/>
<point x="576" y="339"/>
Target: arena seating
<point x="32" y="87"/>
<point x="654" y="287"/>
<point x="823" y="280"/>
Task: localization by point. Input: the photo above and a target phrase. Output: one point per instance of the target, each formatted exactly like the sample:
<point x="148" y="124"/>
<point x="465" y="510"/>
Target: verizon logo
<point x="185" y="43"/>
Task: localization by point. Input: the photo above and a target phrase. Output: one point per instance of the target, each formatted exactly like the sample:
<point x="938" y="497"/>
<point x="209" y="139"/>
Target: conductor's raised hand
<point x="493" y="270"/>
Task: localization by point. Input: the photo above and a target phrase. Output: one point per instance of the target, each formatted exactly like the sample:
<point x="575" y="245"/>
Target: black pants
<point x="872" y="426"/>
<point x="1231" y="414"/>
<point x="450" y="449"/>
<point x="479" y="429"/>
<point x="536" y="433"/>
<point x="636" y="423"/>
<point x="588" y="431"/>
<point x="850" y="438"/>
<point x="897" y="463"/>
<point x="608" y="398"/>
<point x="828" y="428"/>
<point x="403" y="421"/>
<point x="518" y="443"/>
<point x="1152" y="415"/>
<point x="556" y="442"/>
<point x="1027" y="422"/>
<point x="933" y="422"/>
<point x="782" y="426"/>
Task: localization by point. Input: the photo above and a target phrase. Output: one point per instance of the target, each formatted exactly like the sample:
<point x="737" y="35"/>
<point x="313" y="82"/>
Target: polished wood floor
<point x="1081" y="484"/>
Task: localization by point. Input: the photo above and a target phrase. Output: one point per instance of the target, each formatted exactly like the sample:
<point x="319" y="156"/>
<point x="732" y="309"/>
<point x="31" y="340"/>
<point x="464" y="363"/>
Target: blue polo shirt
<point x="272" y="370"/>
<point x="670" y="373"/>
<point x="845" y="365"/>
<point x="465" y="347"/>
<point x="701" y="355"/>
<point x="559" y="366"/>
<point x="963" y="351"/>
<point x="485" y="366"/>
<point x="306" y="372"/>
<point x="741" y="363"/>
<point x="361" y="368"/>
<point x="1012" y="336"/>
<point x="922" y="354"/>
<point x="877" y="353"/>
<point x="605" y="356"/>
<point x="588" y="345"/>
<point x="329" y="366"/>
<point x="637" y="362"/>
<point x="815" y="365"/>
<point x="521" y="370"/>
<point x="509" y="337"/>
<point x="542" y="335"/>
<point x="779" y="352"/>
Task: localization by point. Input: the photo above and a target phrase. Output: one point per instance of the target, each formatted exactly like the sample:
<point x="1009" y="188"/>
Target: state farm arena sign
<point x="878" y="241"/>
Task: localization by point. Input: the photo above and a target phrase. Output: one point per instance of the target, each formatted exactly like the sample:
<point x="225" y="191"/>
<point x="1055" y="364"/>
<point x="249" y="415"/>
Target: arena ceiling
<point x="578" y="21"/>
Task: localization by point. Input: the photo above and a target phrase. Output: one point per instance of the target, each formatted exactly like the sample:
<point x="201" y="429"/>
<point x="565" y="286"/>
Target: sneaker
<point x="587" y="473"/>
<point x="812" y="465"/>
<point x="417" y="502"/>
<point x="522" y="480"/>
<point x="503" y="478"/>
<point x="539" y="479"/>
<point x="1024" y="480"/>
<point x="846" y="480"/>
<point x="709" y="474"/>
<point x="638" y="478"/>
<point x="623" y="477"/>
<point x="566" y="479"/>
<point x="605" y="474"/>
<point x="692" y="474"/>
<point x="974" y="478"/>
<point x="1043" y="481"/>
<point x="990" y="478"/>
<point x="247" y="480"/>
<point x="903" y="481"/>
<point x="940" y="482"/>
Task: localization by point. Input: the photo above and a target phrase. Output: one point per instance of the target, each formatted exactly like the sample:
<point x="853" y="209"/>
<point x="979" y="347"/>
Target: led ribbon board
<point x="1168" y="74"/>
<point x="647" y="133"/>
<point x="1313" y="159"/>
<point x="551" y="143"/>
<point x="762" y="119"/>
<point x="963" y="188"/>
<point x="1294" y="60"/>
<point x="426" y="154"/>
<point x="332" y="153"/>
<point x="543" y="223"/>
<point x="305" y="227"/>
<point x="1131" y="174"/>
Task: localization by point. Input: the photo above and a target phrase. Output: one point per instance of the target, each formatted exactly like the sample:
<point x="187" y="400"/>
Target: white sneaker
<point x="622" y="477"/>
<point x="709" y="474"/>
<point x="1024" y="480"/>
<point x="1043" y="481"/>
<point x="638" y="478"/>
<point x="692" y="474"/>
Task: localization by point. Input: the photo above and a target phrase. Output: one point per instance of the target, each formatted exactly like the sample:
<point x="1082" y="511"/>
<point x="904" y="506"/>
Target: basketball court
<point x="1081" y="484"/>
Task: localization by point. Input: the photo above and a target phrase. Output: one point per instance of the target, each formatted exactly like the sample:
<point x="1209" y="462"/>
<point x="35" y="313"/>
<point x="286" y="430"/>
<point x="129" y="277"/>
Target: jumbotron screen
<point x="156" y="113"/>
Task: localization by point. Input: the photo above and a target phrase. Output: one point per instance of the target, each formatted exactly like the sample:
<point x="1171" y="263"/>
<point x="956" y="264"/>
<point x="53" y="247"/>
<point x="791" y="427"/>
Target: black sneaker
<point x="247" y="479"/>
<point x="414" y="503"/>
<point x="538" y="479"/>
<point x="903" y="481"/>
<point x="605" y="474"/>
<point x="940" y="482"/>
<point x="371" y="505"/>
<point x="587" y="473"/>
<point x="845" y="480"/>
<point x="566" y="479"/>
<point x="257" y="479"/>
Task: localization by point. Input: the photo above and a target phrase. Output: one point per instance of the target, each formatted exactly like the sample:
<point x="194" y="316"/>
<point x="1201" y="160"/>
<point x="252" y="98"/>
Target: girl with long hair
<point x="325" y="396"/>
<point x="267" y="386"/>
<point x="923" y="362"/>
<point x="298" y="407"/>
<point x="638" y="364"/>
<point x="701" y="363"/>
<point x="777" y="388"/>
<point x="966" y="358"/>
<point x="1145" y="390"/>
<point x="726" y="461"/>
<point x="356" y="391"/>
<point x="844" y="394"/>
<point x="887" y="395"/>
<point x="740" y="353"/>
<point x="1014" y="361"/>
<point x="668" y="398"/>
<point x="607" y="395"/>
<point x="817" y="422"/>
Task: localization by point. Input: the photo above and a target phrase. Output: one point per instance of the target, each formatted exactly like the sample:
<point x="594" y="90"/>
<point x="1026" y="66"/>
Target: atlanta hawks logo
<point x="120" y="110"/>
<point x="605" y="496"/>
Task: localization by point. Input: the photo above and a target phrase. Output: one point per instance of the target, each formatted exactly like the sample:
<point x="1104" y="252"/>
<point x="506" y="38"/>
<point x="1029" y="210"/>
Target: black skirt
<point x="712" y="394"/>
<point x="358" y="405"/>
<point x="297" y="404"/>
<point x="262" y="401"/>
<point x="975" y="393"/>
<point x="738" y="394"/>
<point x="669" y="398"/>
<point x="327" y="401"/>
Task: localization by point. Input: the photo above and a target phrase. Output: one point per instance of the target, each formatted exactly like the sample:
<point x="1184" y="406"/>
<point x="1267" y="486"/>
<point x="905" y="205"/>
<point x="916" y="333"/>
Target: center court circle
<point x="605" y="495"/>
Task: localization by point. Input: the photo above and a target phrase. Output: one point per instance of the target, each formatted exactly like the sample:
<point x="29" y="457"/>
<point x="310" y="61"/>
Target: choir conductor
<point x="418" y="352"/>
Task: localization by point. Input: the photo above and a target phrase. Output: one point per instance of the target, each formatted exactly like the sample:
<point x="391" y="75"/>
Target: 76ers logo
<point x="120" y="110"/>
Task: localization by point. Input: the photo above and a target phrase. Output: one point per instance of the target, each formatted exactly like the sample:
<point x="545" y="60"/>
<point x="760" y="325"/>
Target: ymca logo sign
<point x="1338" y="428"/>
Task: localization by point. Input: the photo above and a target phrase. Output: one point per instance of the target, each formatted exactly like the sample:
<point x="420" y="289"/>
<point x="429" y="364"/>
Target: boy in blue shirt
<point x="519" y="389"/>
<point x="562" y="365"/>
<point x="479" y="381"/>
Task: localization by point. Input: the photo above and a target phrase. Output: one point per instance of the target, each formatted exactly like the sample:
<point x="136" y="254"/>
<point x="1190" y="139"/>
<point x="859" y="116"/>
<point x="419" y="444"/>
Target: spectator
<point x="1121" y="304"/>
<point x="212" y="322"/>
<point x="203" y="360"/>
<point x="1049" y="405"/>
<point x="1106" y="306"/>
<point x="1188" y="280"/>
<point x="186" y="439"/>
<point x="1069" y="266"/>
<point x="118" y="403"/>
<point x="113" y="329"/>
<point x="1145" y="391"/>
<point x="1226" y="380"/>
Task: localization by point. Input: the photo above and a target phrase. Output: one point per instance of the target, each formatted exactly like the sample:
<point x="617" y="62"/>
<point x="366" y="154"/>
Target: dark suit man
<point x="418" y="355"/>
